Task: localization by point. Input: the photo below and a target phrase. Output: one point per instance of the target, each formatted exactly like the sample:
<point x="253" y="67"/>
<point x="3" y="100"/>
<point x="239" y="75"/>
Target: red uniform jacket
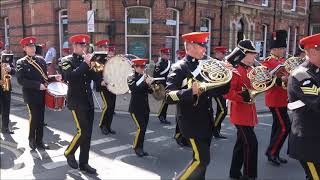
<point x="242" y="113"/>
<point x="277" y="96"/>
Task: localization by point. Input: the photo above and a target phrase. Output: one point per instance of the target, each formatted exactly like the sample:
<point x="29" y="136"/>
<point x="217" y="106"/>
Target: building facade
<point x="142" y="27"/>
<point x="314" y="17"/>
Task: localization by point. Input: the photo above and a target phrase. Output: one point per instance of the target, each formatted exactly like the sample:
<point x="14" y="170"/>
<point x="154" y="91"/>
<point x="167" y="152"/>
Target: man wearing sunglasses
<point x="195" y="120"/>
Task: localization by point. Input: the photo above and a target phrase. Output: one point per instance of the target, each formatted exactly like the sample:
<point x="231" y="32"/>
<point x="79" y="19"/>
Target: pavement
<point x="122" y="102"/>
<point x="112" y="155"/>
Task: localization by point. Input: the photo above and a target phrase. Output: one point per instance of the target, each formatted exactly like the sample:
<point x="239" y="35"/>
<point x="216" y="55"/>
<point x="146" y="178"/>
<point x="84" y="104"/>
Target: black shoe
<point x="7" y="131"/>
<point x="139" y="152"/>
<point x="72" y="162"/>
<point x="87" y="168"/>
<point x="145" y="153"/>
<point x="163" y="120"/>
<point x="104" y="131"/>
<point x="282" y="160"/>
<point x="32" y="144"/>
<point x="274" y="160"/>
<point x="247" y="178"/>
<point x="232" y="176"/>
<point x="42" y="146"/>
<point x="111" y="131"/>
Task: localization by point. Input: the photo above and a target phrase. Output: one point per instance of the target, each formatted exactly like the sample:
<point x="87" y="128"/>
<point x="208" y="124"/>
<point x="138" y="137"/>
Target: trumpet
<point x="261" y="80"/>
<point x="158" y="89"/>
<point x="214" y="73"/>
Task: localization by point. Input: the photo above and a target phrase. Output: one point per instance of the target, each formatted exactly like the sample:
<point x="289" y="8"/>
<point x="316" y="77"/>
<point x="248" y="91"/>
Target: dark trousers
<point x="221" y="113"/>
<point x="109" y="101"/>
<point x="141" y="120"/>
<point x="84" y="120"/>
<point x="5" y="101"/>
<point x="36" y="121"/>
<point x="163" y="110"/>
<point x="245" y="152"/>
<point x="311" y="169"/>
<point x="280" y="130"/>
<point x="201" y="159"/>
<point x="178" y="135"/>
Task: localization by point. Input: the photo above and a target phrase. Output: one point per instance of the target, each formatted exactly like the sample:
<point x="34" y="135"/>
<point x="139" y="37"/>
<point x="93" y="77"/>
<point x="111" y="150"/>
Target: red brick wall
<point x="44" y="22"/>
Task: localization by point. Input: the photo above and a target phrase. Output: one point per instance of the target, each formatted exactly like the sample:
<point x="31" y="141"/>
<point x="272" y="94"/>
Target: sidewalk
<point x="122" y="103"/>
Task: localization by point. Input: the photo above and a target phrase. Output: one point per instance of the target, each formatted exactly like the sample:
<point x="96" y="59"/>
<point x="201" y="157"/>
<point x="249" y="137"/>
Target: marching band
<point x="189" y="85"/>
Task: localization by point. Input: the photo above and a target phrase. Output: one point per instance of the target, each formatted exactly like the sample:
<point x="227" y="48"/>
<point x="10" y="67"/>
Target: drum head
<point x="115" y="73"/>
<point x="58" y="88"/>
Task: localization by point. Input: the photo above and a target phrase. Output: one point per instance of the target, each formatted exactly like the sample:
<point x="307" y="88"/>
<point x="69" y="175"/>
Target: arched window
<point x="172" y="32"/>
<point x="63" y="29"/>
<point x="205" y="26"/>
<point x="138" y="31"/>
<point x="6" y="31"/>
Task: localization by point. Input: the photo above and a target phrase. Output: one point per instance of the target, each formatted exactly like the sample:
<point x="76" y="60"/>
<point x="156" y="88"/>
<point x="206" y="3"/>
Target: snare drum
<point x="56" y="96"/>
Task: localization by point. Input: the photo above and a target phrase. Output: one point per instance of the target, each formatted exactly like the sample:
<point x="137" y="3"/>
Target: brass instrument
<point x="261" y="79"/>
<point x="158" y="89"/>
<point x="215" y="73"/>
<point x="290" y="64"/>
<point x="5" y="76"/>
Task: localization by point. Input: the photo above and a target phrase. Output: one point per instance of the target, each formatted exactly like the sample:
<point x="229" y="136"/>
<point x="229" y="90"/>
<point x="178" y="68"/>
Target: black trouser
<point x="178" y="135"/>
<point x="245" y="152"/>
<point x="312" y="170"/>
<point x="5" y="101"/>
<point x="280" y="130"/>
<point x="221" y="113"/>
<point x="201" y="159"/>
<point x="36" y="121"/>
<point x="163" y="110"/>
<point x="141" y="120"/>
<point x="109" y="101"/>
<point x="84" y="120"/>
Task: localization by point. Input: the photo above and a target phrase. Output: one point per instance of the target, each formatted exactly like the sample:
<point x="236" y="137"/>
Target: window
<point x="294" y="5"/>
<point x="315" y="29"/>
<point x="263" y="50"/>
<point x="6" y="31"/>
<point x="205" y="26"/>
<point x="172" y="32"/>
<point x="316" y="0"/>
<point x="138" y="31"/>
<point x="240" y="31"/>
<point x="265" y="2"/>
<point x="63" y="29"/>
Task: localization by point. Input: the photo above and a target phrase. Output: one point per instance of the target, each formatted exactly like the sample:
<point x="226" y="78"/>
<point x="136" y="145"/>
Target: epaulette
<point x="66" y="58"/>
<point x="65" y="62"/>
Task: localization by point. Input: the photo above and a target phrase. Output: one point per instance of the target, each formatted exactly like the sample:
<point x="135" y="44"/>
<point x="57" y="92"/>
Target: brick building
<point x="141" y="27"/>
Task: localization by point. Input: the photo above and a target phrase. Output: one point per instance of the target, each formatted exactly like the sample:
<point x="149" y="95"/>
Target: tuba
<point x="214" y="73"/>
<point x="261" y="79"/>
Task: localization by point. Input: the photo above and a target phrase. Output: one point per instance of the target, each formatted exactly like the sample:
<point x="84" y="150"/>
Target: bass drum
<point x="115" y="74"/>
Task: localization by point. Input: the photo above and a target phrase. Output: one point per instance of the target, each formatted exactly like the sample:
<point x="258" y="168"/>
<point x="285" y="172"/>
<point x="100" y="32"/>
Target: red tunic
<point x="277" y="96"/>
<point x="242" y="113"/>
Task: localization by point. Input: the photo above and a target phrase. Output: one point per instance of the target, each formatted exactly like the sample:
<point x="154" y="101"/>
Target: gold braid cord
<point x="37" y="66"/>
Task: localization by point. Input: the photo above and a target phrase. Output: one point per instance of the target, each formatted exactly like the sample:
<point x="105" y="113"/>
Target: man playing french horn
<point x="194" y="102"/>
<point x="277" y="99"/>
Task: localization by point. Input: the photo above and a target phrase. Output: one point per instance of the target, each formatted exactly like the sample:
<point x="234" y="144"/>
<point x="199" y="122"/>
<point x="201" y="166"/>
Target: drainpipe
<point x="309" y="18"/>
<point x="221" y="24"/>
<point x="195" y="16"/>
<point x="275" y="15"/>
<point x="22" y="19"/>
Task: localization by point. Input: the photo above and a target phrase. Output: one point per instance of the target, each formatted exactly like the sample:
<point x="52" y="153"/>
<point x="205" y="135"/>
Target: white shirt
<point x="50" y="55"/>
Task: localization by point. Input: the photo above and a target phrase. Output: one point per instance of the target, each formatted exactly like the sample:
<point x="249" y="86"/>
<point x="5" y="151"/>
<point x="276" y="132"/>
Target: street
<point x="113" y="156"/>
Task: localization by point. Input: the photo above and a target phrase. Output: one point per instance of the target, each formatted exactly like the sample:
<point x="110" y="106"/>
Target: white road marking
<point x="265" y="124"/>
<point x="56" y="162"/>
<point x="116" y="149"/>
<point x="170" y="127"/>
<point x="158" y="139"/>
<point x="100" y="141"/>
<point x="147" y="132"/>
<point x="17" y="98"/>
